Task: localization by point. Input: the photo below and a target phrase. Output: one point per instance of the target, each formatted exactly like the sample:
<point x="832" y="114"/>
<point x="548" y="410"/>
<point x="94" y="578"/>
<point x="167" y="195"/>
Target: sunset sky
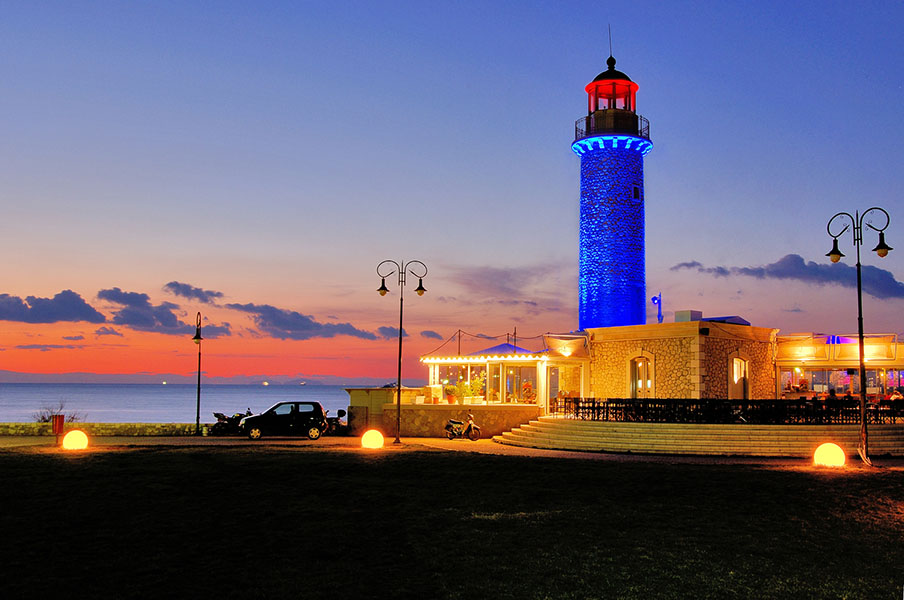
<point x="255" y="161"/>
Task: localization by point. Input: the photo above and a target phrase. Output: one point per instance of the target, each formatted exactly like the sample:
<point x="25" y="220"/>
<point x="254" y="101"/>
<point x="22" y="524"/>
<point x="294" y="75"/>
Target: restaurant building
<point x="506" y="385"/>
<point x="615" y="354"/>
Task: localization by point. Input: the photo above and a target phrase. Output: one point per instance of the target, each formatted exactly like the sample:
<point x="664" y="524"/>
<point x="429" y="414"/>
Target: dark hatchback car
<point x="286" y="418"/>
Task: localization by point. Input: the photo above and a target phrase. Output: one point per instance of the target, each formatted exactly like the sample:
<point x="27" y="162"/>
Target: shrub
<point x="47" y="412"/>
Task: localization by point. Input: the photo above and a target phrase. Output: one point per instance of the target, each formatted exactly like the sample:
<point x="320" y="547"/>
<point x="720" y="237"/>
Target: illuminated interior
<point x="815" y="365"/>
<point x="506" y="374"/>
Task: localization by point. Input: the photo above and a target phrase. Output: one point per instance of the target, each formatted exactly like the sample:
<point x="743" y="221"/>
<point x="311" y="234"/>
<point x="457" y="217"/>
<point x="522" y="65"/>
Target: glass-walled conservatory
<point x="508" y="374"/>
<point x="815" y="365"/>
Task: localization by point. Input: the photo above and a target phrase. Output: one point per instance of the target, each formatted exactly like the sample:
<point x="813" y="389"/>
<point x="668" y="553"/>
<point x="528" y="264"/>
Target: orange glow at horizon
<point x="45" y="349"/>
<point x="109" y="348"/>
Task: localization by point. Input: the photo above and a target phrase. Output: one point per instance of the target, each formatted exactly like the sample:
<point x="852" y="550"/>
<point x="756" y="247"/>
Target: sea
<point x="154" y="403"/>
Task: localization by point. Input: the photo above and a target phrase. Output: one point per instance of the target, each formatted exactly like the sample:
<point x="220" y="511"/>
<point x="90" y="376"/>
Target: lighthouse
<point x="611" y="141"/>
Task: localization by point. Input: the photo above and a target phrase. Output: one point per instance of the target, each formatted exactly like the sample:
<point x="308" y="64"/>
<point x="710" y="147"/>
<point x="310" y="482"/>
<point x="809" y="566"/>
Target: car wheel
<point x="314" y="432"/>
<point x="255" y="433"/>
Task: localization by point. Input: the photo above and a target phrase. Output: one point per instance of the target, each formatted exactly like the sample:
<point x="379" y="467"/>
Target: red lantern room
<point x="612" y="107"/>
<point x="611" y="90"/>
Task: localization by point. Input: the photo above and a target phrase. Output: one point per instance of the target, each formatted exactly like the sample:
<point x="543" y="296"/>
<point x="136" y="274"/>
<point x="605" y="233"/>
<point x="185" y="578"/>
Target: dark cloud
<point x="106" y="331"/>
<point x="390" y="333"/>
<point x="714" y="271"/>
<point x="288" y="324"/>
<point x="192" y="293"/>
<point x="73" y="338"/>
<point x="215" y="331"/>
<point x="48" y="347"/>
<point x="65" y="306"/>
<point x="138" y="313"/>
<point x="432" y="335"/>
<point x="687" y="265"/>
<point x="876" y="282"/>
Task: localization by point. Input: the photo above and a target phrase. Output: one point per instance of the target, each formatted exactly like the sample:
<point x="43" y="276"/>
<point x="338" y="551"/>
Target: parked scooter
<point x="457" y="429"/>
<point x="334" y="425"/>
<point x="228" y="425"/>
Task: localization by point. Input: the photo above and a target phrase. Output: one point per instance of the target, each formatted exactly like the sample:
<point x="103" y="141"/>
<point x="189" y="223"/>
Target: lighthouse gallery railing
<point x="612" y="121"/>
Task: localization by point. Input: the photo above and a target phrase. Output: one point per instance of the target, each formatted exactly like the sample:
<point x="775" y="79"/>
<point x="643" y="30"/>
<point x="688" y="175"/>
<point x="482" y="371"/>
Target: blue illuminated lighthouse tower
<point x="612" y="141"/>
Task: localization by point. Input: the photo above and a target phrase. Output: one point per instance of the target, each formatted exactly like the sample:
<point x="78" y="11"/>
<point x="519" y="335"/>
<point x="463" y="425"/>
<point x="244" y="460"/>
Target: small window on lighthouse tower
<point x="637" y="192"/>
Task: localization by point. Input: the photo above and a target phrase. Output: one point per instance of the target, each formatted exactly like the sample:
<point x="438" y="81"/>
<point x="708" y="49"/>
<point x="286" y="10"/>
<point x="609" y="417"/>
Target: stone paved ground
<point x="436" y="444"/>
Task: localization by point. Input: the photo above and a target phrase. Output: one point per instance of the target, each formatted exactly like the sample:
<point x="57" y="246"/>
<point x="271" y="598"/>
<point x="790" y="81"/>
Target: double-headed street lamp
<point x="384" y="270"/>
<point x="197" y="339"/>
<point x="856" y="220"/>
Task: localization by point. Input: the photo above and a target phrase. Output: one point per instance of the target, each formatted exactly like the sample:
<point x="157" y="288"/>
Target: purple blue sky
<point x="255" y="161"/>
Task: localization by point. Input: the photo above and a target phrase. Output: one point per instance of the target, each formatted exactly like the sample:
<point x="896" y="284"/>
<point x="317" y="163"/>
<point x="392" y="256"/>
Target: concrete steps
<point x="698" y="439"/>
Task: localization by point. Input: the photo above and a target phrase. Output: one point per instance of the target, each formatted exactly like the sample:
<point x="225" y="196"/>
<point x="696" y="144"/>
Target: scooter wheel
<point x="450" y="435"/>
<point x="474" y="435"/>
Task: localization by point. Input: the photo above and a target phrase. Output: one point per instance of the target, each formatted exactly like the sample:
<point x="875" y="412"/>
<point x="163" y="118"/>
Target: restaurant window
<point x="520" y="383"/>
<point x="563" y="381"/>
<point x="494" y="383"/>
<point x="452" y="374"/>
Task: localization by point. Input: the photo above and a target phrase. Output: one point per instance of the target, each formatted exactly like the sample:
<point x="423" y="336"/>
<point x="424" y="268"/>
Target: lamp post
<point x="856" y="220"/>
<point x="657" y="300"/>
<point x="384" y="270"/>
<point x="197" y="339"/>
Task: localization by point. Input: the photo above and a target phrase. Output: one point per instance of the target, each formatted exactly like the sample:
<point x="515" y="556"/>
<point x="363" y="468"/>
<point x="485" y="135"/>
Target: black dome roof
<point x="611" y="73"/>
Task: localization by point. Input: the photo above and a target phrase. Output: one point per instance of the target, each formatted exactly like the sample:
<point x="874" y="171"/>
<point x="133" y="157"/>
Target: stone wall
<point x="102" y="429"/>
<point x="674" y="365"/>
<point x="430" y="420"/>
<point x="611" y="289"/>
<point x="570" y="379"/>
<point x="689" y="359"/>
<point x="717" y="366"/>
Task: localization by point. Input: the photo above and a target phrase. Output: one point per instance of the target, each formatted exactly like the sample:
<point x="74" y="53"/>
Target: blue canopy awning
<point x="503" y="349"/>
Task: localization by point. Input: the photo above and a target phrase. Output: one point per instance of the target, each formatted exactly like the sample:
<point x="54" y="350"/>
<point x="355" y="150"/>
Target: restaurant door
<point x="738" y="388"/>
<point x="641" y="378"/>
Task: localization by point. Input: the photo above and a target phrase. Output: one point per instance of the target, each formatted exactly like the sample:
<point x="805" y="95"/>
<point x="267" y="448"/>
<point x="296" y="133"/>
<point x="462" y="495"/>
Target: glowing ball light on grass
<point x="829" y="455"/>
<point x="75" y="440"/>
<point x="372" y="439"/>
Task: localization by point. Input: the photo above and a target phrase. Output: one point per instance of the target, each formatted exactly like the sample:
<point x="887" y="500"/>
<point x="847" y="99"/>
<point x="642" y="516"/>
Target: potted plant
<point x="450" y="391"/>
<point x="476" y="387"/>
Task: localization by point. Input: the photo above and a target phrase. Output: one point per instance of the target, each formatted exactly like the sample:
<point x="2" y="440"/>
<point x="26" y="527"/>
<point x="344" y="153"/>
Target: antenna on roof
<point x="610" y="39"/>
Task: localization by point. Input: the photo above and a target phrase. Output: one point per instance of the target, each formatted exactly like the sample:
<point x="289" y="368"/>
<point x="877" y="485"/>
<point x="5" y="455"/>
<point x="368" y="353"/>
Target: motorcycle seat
<point x="454" y="422"/>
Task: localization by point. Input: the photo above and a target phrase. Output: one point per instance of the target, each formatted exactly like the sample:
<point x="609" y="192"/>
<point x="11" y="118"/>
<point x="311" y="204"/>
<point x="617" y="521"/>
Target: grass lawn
<point x="309" y="522"/>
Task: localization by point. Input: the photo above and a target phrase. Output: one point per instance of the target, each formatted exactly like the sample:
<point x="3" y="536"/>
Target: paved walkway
<point x="440" y="444"/>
